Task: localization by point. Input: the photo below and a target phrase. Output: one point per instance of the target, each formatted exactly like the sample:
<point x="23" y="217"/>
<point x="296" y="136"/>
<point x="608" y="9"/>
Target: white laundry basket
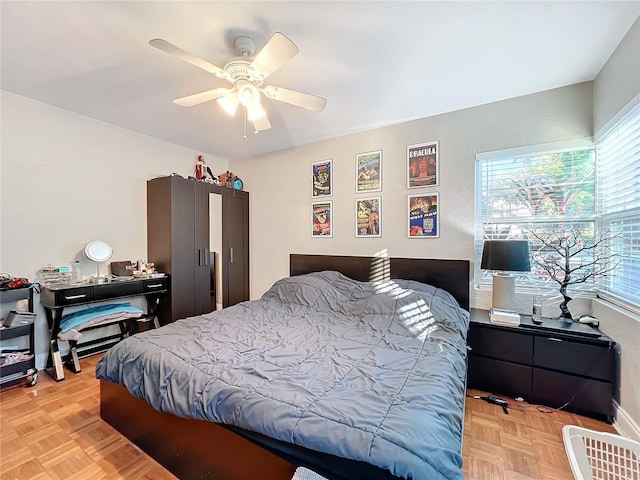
<point x="601" y="456"/>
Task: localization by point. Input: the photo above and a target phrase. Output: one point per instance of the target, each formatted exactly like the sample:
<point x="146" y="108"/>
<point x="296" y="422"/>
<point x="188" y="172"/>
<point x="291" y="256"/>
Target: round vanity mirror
<point x="98" y="251"/>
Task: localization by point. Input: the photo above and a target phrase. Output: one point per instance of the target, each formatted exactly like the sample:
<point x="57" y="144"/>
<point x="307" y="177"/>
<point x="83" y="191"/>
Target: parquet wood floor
<point x="53" y="431"/>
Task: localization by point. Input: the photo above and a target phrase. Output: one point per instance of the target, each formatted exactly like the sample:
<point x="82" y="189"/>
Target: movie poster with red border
<point x="321" y="218"/>
<point x="423" y="215"/>
<point x="423" y="164"/>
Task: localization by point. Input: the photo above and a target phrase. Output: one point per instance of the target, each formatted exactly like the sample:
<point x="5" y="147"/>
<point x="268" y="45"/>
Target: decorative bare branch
<point x="571" y="257"/>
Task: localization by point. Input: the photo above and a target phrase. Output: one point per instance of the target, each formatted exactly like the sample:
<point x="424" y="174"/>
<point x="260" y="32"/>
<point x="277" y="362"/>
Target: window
<point x="524" y="191"/>
<point x="618" y="207"/>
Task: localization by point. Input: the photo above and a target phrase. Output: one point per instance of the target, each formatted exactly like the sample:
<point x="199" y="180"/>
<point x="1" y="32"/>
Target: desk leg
<point x="54" y="360"/>
<point x="73" y="362"/>
<point x="153" y="305"/>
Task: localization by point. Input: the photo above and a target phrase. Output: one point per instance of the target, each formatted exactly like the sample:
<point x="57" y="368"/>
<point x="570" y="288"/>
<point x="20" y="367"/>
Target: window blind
<point x="618" y="207"/>
<point x="517" y="192"/>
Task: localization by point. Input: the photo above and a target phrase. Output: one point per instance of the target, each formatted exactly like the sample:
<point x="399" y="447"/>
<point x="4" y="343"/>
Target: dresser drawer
<point x="496" y="376"/>
<point x="116" y="289"/>
<point x="593" y="398"/>
<point x="501" y="344"/>
<point x="154" y="285"/>
<point x="66" y="296"/>
<point x="593" y="361"/>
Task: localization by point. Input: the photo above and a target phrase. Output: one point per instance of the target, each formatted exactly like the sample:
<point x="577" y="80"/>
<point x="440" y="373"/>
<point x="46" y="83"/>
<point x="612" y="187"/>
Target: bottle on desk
<point x="536" y="316"/>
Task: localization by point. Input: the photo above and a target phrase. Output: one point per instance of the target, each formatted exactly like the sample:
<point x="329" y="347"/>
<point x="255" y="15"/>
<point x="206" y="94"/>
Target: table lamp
<point x="505" y="256"/>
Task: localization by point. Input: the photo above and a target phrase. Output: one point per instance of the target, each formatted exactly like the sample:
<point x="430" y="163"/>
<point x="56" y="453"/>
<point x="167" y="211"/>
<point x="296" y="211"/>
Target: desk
<point x="55" y="299"/>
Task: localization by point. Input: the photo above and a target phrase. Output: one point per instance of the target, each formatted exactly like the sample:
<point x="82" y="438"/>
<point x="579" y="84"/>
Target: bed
<point x="348" y="379"/>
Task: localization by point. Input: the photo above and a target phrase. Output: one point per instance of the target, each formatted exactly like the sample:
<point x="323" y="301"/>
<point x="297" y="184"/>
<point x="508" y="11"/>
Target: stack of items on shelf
<point x="9" y="358"/>
<point x="71" y="324"/>
<point x="504" y="317"/>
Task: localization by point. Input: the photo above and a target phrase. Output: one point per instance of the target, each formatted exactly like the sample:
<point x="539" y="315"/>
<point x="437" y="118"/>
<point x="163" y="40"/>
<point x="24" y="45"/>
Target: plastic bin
<point x="601" y="456"/>
<point x="302" y="473"/>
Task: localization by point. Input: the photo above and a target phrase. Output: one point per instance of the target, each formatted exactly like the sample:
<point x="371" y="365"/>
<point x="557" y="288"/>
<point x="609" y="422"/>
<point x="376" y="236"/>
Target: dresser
<point x="570" y="366"/>
<point x="55" y="299"/>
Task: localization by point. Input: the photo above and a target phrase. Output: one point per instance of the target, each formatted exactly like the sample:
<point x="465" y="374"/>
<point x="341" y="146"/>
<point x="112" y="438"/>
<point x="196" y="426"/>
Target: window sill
<point x="600" y="305"/>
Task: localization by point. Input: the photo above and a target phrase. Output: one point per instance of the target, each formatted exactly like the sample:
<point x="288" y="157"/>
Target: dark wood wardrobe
<point x="180" y="227"/>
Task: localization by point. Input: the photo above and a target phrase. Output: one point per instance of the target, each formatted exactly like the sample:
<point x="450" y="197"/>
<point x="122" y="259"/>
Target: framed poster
<point x="368" y="217"/>
<point x="423" y="215"/>
<point x="322" y="178"/>
<point x="321" y="219"/>
<point x="423" y="164"/>
<point x="369" y="172"/>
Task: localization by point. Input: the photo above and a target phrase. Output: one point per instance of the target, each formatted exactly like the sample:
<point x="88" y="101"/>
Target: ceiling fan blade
<point x="202" y="97"/>
<point x="278" y="50"/>
<point x="299" y="99"/>
<point x="262" y="123"/>
<point x="187" y="57"/>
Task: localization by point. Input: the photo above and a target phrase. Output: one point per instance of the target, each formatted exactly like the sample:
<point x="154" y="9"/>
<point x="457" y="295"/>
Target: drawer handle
<point x="75" y="297"/>
<point x="555" y="339"/>
<point x="157" y="285"/>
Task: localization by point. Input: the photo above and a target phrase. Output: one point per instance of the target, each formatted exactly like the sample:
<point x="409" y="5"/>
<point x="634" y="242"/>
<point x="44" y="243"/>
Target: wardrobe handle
<point x="206" y="257"/>
<point x="199" y="256"/>
<point x="231" y="255"/>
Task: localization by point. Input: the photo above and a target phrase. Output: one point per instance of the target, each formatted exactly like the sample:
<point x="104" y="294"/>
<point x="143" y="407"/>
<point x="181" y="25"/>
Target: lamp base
<point x="504" y="291"/>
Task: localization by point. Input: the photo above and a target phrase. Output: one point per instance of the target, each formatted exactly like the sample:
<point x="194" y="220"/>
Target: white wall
<point x="280" y="183"/>
<point x="618" y="82"/>
<point x="66" y="180"/>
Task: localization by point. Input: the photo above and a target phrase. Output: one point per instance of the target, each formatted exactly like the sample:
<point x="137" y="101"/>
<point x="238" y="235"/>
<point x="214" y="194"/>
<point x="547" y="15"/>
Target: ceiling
<point x="377" y="62"/>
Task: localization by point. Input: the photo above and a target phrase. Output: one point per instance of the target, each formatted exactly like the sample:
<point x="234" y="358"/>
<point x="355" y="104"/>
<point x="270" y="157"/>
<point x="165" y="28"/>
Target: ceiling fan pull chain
<point x="245" y="124"/>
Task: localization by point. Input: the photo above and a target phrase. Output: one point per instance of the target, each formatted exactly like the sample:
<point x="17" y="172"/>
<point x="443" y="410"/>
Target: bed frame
<point x="195" y="449"/>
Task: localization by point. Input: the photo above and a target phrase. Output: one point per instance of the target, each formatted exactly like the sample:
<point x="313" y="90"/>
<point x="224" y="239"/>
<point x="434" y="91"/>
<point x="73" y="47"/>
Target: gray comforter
<point x="368" y="371"/>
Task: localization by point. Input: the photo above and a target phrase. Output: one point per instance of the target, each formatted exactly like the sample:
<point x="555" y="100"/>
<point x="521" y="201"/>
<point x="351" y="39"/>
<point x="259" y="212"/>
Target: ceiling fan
<point x="247" y="75"/>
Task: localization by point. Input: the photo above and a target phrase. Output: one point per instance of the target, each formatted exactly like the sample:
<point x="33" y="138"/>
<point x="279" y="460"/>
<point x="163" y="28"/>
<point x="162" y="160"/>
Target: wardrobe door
<point x="201" y="260"/>
<point x="237" y="225"/>
<point x="171" y="243"/>
<point x="184" y="250"/>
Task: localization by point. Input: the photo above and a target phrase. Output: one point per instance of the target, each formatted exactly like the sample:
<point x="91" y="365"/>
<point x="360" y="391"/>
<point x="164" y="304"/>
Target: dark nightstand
<point x="550" y="364"/>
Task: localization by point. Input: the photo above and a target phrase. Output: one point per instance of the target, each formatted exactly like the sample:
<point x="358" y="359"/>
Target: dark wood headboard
<point x="449" y="275"/>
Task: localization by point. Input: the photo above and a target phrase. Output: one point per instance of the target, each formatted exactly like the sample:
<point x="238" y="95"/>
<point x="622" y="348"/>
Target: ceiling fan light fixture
<point x="248" y="93"/>
<point x="247" y="74"/>
<point x="229" y="103"/>
<point x="255" y="112"/>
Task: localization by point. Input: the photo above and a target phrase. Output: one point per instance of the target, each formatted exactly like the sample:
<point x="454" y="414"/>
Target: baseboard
<point x="625" y="425"/>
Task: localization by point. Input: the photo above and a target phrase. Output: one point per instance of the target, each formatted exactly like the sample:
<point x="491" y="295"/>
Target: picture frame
<point x="321" y="219"/>
<point x="368" y="217"/>
<point x="322" y="178"/>
<point x="423" y="164"/>
<point x="423" y="215"/>
<point x="369" y="171"/>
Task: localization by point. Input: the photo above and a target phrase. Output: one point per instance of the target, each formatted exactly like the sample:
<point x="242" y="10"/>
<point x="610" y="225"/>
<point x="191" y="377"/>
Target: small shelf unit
<point x="23" y="368"/>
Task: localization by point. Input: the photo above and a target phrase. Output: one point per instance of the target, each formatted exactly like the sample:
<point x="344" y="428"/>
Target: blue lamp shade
<point x="506" y="256"/>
